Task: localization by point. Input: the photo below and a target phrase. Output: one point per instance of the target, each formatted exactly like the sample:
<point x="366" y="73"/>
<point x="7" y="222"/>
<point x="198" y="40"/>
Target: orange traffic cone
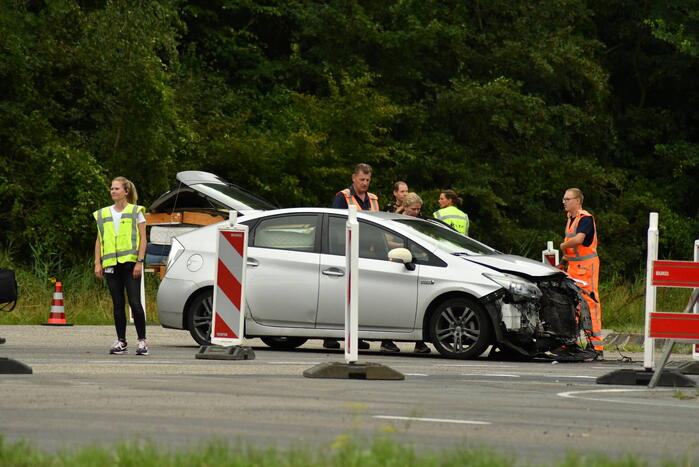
<point x="57" y="316"/>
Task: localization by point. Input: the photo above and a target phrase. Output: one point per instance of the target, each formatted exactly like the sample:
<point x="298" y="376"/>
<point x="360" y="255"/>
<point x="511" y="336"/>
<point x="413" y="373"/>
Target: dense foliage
<point x="508" y="102"/>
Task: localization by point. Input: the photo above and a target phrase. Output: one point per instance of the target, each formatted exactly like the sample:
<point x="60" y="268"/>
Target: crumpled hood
<point x="514" y="264"/>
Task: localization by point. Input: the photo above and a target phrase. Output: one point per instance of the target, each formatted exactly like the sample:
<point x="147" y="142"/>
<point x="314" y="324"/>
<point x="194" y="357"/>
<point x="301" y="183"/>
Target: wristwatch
<point x="140" y="260"/>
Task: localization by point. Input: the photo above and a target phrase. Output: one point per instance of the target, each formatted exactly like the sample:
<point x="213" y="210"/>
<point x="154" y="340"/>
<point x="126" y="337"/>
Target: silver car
<point x="451" y="290"/>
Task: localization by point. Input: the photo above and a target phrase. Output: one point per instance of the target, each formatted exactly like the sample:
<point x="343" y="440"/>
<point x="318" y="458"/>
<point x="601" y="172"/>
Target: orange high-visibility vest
<point x="580" y="252"/>
<point x="373" y="200"/>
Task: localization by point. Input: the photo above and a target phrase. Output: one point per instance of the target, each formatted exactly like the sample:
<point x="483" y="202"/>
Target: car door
<point x="387" y="290"/>
<point x="282" y="270"/>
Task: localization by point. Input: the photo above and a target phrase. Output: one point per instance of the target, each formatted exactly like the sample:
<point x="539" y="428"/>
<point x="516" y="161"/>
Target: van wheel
<point x="199" y="317"/>
<point x="284" y="343"/>
<point x="460" y="328"/>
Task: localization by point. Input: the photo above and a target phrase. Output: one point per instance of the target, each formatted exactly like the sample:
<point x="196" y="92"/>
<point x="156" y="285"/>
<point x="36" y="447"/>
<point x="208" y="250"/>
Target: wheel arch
<point x="193" y="296"/>
<point x="443" y="298"/>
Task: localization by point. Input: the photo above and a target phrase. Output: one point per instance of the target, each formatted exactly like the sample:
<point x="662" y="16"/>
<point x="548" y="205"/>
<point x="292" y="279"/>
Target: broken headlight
<point x="518" y="287"/>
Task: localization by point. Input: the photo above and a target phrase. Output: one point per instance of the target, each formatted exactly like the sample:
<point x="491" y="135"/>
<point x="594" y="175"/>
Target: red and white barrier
<point x="695" y="348"/>
<point x="678" y="327"/>
<point x="227" y="321"/>
<point x="550" y="255"/>
<point x="351" y="285"/>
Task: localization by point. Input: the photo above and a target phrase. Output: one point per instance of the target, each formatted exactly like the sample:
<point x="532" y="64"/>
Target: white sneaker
<point x="118" y="348"/>
<point x="142" y="348"/>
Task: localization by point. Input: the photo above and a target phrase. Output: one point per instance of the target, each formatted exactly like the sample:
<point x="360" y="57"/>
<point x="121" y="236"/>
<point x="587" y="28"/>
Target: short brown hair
<point x="577" y="193"/>
<point x="363" y="168"/>
<point x="396" y="186"/>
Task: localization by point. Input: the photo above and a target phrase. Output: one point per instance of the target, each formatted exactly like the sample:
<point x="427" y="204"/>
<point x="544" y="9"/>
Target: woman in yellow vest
<point x="450" y="213"/>
<point x="119" y="252"/>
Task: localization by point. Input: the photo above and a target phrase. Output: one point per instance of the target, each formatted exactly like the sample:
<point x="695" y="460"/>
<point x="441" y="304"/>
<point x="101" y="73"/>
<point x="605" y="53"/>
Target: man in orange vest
<point x="579" y="250"/>
<point x="358" y="192"/>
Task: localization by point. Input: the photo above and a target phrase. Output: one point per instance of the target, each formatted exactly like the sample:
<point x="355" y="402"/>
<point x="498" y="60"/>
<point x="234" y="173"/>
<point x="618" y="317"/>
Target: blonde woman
<point x="411" y="207"/>
<point x="119" y="252"/>
<point x="412" y="203"/>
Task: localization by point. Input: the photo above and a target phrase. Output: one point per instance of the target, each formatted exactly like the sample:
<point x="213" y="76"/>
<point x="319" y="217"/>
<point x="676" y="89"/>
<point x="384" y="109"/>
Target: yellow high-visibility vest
<point x="119" y="247"/>
<point x="454" y="217"/>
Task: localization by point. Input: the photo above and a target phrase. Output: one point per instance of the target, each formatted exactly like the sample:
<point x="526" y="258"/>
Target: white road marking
<point x="584" y="395"/>
<point x="497" y="375"/>
<point x="140" y="361"/>
<point x="472" y="365"/>
<point x="415" y="374"/>
<point x="432" y="420"/>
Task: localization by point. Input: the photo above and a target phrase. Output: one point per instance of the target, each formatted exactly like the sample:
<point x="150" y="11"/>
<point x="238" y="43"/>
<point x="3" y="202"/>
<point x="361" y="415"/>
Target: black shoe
<point x="2" y="340"/>
<point x="599" y="355"/>
<point x="363" y="345"/>
<point x="421" y="347"/>
<point x="571" y="353"/>
<point x="389" y="346"/>
<point x="331" y="344"/>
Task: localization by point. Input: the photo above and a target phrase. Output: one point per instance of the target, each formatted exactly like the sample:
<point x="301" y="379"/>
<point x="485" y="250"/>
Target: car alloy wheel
<point x="460" y="328"/>
<point x="199" y="317"/>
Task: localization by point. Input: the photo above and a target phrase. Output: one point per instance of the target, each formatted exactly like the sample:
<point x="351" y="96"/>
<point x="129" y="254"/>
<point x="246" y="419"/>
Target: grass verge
<point x="345" y="452"/>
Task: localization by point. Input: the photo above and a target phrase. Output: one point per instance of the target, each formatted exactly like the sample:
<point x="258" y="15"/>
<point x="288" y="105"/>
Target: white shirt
<point x="116" y="217"/>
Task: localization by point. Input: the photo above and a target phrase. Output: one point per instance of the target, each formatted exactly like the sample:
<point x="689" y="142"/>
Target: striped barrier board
<point x="675" y="274"/>
<point x="677" y="326"/>
<point x="229" y="298"/>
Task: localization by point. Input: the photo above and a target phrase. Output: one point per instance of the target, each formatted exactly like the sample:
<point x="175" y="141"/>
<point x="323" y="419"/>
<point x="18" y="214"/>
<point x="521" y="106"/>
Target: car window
<point x="445" y="238"/>
<point x="296" y="233"/>
<point x="233" y="197"/>
<point x="374" y="242"/>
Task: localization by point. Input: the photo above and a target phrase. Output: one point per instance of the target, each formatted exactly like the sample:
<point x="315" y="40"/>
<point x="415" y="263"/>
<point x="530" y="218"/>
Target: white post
<point x="351" y="285"/>
<point x="695" y="348"/>
<point x="549" y="255"/>
<point x="648" y="343"/>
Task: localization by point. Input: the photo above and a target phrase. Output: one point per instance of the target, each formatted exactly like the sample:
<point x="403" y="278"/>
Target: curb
<point x="622" y="339"/>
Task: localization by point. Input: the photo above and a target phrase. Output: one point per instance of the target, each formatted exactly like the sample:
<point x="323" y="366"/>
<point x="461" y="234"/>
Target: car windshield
<point x="443" y="237"/>
<point x="233" y="197"/>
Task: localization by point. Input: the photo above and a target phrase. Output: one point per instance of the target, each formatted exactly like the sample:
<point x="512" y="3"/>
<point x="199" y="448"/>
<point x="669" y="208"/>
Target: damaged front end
<point x="532" y="316"/>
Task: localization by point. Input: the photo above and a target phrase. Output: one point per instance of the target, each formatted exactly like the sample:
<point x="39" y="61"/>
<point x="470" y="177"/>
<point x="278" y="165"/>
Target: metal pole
<point x="351" y="285"/>
<point x="648" y="343"/>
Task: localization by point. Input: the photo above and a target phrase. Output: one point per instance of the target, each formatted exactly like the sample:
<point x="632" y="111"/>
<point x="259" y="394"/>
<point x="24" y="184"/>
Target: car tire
<point x="284" y="343"/>
<point x="460" y="328"/>
<point x="199" y="317"/>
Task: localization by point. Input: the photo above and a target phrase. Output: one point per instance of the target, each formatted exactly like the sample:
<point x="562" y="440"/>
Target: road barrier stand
<point x="228" y="315"/>
<point x="352" y="369"/>
<point x="549" y="255"/>
<point x="674" y="327"/>
<point x="57" y="316"/>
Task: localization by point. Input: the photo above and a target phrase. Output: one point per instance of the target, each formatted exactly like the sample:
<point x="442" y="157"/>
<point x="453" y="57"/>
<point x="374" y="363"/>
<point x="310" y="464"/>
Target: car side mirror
<point x="402" y="255"/>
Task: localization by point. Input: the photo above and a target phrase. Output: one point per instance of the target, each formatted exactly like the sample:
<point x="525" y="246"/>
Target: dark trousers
<point x="122" y="278"/>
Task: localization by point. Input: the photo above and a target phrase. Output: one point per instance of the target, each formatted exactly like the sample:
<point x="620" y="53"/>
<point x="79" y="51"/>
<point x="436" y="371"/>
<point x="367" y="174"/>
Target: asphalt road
<point x="533" y="411"/>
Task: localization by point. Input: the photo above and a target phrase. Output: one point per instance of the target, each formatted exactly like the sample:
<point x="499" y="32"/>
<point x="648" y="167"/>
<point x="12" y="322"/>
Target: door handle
<point x="252" y="262"/>
<point x="333" y="272"/>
